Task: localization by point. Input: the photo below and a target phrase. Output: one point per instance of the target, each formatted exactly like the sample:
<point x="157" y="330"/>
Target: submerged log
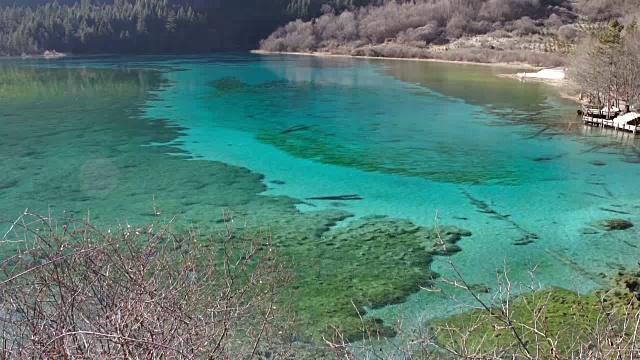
<point x="336" y="197"/>
<point x="575" y="266"/>
<point x="527" y="236"/>
<point x="548" y="158"/>
<point x="595" y="195"/>
<point x="596" y="148"/>
<point x="614" y="211"/>
<point x="597" y="163"/>
<point x="538" y="133"/>
<point x="295" y="128"/>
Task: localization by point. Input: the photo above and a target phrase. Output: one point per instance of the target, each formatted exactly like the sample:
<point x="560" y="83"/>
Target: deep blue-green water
<point x="263" y="135"/>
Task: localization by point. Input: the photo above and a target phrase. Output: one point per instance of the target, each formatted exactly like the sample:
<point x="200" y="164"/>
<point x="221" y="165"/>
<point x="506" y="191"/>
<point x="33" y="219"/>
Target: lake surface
<point x="344" y="162"/>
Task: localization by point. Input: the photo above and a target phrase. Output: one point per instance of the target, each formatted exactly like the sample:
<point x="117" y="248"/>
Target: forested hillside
<point x="533" y="31"/>
<point x="137" y="26"/>
<point x="147" y="26"/>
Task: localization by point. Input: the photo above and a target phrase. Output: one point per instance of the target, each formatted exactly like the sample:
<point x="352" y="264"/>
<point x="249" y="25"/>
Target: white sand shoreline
<point x="543" y="79"/>
<point x="548" y="74"/>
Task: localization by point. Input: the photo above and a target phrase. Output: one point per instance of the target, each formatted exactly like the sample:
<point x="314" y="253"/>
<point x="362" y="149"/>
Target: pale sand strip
<point x="329" y="55"/>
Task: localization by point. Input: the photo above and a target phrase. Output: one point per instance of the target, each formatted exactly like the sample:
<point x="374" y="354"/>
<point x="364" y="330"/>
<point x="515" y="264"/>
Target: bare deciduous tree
<point x="606" y="67"/>
<point x="415" y="25"/>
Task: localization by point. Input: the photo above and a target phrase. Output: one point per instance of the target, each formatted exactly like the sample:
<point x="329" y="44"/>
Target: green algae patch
<point x="558" y="313"/>
<point x="341" y="272"/>
<point x="623" y="290"/>
<point x="370" y="263"/>
<point x="317" y="146"/>
<point x="335" y="137"/>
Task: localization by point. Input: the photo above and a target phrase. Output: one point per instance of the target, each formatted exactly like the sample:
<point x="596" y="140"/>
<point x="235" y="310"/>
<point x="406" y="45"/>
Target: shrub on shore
<point x="75" y="291"/>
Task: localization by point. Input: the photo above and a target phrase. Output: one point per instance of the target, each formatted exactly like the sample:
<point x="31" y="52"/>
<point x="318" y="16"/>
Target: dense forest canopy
<point x="136" y="26"/>
<point x="143" y="25"/>
<point x="32" y="3"/>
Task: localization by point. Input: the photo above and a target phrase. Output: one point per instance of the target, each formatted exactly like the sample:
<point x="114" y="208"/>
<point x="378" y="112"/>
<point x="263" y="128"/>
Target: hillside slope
<point x="538" y="32"/>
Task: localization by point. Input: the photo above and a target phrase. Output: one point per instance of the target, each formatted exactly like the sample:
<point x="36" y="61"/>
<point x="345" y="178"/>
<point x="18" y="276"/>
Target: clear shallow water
<point x="262" y="135"/>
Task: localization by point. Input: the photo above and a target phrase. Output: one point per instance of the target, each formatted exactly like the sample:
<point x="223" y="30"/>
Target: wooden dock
<point x="626" y="122"/>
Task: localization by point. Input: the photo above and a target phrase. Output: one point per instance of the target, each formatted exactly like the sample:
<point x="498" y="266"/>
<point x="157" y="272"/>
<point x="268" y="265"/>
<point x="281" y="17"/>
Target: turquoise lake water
<point x="264" y="135"/>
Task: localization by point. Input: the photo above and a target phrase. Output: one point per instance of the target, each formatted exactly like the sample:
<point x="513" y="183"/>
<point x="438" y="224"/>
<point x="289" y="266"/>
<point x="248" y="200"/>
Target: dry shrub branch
<point x="75" y="291"/>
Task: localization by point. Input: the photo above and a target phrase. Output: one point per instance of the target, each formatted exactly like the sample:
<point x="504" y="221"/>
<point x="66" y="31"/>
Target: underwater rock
<point x="228" y="84"/>
<point x="613" y="224"/>
<point x="278" y="182"/>
<point x="445" y="250"/>
<point x="442" y="241"/>
<point x="450" y="234"/>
